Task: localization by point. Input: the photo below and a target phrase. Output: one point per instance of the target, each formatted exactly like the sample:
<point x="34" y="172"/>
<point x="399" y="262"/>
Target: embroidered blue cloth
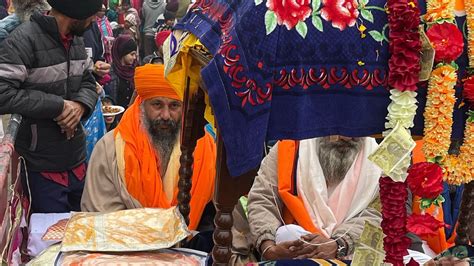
<point x="286" y="72"/>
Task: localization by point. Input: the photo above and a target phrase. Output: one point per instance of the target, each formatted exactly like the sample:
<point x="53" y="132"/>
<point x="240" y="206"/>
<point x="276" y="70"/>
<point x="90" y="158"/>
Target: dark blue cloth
<point x="48" y="196"/>
<point x="451" y="207"/>
<point x="283" y="86"/>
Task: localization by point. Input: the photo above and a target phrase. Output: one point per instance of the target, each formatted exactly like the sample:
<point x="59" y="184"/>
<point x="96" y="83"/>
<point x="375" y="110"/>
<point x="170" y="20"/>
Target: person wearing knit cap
<point x="124" y="61"/>
<point x="78" y="10"/>
<point x="46" y="77"/>
<point x="136" y="165"/>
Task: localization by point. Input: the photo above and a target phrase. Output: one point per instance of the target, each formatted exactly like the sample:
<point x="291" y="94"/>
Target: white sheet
<point x="39" y="224"/>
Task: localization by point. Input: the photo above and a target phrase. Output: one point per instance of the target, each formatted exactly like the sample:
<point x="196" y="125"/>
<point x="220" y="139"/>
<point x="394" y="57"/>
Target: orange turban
<point x="150" y="82"/>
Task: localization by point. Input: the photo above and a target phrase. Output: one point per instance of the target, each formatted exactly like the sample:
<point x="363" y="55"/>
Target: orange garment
<point x="142" y="173"/>
<point x="459" y="5"/>
<point x="294" y="209"/>
<point x="150" y="82"/>
<point x="438" y="242"/>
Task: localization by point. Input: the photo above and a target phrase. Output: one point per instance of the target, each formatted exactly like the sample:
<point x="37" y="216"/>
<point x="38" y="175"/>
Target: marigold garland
<point x="439" y="111"/>
<point x="469" y="6"/>
<point x="457" y="169"/>
<point x="437" y="10"/>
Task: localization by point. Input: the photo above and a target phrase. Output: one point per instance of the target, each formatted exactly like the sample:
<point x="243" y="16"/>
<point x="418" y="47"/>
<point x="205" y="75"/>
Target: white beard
<point x="336" y="158"/>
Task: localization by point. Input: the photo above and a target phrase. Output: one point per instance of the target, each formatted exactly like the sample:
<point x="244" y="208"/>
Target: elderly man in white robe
<point x="325" y="189"/>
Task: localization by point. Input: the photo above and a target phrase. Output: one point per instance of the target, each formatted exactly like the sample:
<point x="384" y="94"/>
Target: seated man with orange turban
<point x="136" y="164"/>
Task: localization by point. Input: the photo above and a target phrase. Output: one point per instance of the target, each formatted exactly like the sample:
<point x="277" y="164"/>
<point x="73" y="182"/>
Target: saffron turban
<point x="150" y="82"/>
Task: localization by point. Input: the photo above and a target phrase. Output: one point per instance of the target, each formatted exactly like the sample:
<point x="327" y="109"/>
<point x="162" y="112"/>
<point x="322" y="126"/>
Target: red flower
<point x="404" y="46"/>
<point x="342" y="13"/>
<point x="468" y="92"/>
<point x="425" y="180"/>
<point x="290" y="12"/>
<point x="447" y="41"/>
<point x="423" y="225"/>
<point x="393" y="196"/>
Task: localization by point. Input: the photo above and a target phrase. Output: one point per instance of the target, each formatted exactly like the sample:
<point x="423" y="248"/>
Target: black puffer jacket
<point x="36" y="75"/>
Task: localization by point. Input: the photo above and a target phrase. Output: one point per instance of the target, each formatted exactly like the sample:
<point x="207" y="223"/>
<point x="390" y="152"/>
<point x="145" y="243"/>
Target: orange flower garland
<point x="439" y="112"/>
<point x="457" y="169"/>
<point x="469" y="6"/>
<point x="460" y="168"/>
<point x="437" y="10"/>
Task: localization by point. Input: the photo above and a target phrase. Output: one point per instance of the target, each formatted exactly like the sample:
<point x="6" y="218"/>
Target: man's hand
<point x="101" y="68"/>
<point x="283" y="250"/>
<point x="98" y="88"/>
<point x="70" y="117"/>
<point x="322" y="249"/>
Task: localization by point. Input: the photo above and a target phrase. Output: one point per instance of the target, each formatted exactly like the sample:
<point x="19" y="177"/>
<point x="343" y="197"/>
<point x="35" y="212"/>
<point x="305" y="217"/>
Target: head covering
<point x="168" y="15"/>
<point x="150" y="82"/>
<point x="161" y="37"/>
<point x="76" y="9"/>
<point x="123" y="45"/>
<point x="130" y="18"/>
<point x="172" y="5"/>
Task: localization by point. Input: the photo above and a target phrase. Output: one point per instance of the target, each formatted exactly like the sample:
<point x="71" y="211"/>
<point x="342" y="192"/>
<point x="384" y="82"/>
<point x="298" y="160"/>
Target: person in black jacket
<point x="46" y="76"/>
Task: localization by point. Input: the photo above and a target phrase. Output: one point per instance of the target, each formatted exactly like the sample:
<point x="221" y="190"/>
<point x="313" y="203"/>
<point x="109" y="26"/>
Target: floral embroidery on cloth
<point x="293" y="69"/>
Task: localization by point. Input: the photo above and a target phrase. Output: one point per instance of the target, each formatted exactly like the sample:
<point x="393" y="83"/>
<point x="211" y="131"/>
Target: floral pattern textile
<point x="262" y="88"/>
<point x="341" y="13"/>
<point x="127" y="230"/>
<point x="289" y="13"/>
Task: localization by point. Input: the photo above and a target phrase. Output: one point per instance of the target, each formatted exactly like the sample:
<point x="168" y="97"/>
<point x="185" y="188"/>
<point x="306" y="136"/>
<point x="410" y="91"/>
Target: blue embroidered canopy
<point x="283" y="70"/>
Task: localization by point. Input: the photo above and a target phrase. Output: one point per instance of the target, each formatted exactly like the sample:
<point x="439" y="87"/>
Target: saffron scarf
<point x="140" y="168"/>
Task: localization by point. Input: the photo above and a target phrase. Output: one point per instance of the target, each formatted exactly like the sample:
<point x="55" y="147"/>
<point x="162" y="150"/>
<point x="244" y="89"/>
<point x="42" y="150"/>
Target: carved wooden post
<point x="191" y="131"/>
<point x="227" y="192"/>
<point x="465" y="228"/>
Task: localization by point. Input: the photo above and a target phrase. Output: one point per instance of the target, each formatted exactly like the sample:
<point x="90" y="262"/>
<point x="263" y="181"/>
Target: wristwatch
<point x="342" y="249"/>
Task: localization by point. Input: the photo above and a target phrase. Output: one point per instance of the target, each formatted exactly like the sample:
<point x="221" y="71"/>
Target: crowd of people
<point x="63" y="61"/>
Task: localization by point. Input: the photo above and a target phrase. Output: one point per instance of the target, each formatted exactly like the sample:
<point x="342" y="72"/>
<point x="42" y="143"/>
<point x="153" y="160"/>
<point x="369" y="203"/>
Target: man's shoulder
<point x="108" y="138"/>
<point x="10" y="22"/>
<point x="25" y="31"/>
<point x="105" y="147"/>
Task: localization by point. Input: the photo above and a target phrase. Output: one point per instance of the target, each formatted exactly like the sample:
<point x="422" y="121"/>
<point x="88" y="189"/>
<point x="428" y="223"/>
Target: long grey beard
<point x="163" y="145"/>
<point x="336" y="158"/>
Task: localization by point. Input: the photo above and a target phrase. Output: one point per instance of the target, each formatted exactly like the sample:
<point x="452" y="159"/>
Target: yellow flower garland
<point x="439" y="111"/>
<point x="439" y="10"/>
<point x="469" y="7"/>
<point x="457" y="169"/>
<point x="460" y="168"/>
